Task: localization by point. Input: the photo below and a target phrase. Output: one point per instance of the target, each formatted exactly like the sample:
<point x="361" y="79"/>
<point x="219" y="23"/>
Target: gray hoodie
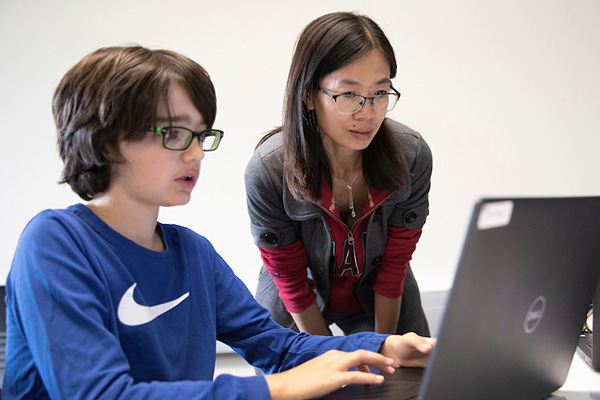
<point x="278" y="218"/>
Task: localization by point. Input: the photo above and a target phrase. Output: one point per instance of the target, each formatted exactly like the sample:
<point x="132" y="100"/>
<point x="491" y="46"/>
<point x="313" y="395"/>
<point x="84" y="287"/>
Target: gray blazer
<point x="278" y="218"/>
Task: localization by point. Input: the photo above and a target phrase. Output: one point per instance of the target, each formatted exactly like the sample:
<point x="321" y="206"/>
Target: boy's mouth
<point x="188" y="179"/>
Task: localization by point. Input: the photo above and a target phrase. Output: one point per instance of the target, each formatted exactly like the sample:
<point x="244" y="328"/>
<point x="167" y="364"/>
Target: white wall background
<point x="507" y="93"/>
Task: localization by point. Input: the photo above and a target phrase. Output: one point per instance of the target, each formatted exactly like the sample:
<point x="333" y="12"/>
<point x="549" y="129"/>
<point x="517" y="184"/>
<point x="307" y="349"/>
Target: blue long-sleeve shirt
<point x="91" y="314"/>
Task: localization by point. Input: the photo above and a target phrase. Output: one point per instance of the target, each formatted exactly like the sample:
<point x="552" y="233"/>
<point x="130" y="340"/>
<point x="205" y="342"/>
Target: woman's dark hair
<point x="113" y="94"/>
<point x="327" y="44"/>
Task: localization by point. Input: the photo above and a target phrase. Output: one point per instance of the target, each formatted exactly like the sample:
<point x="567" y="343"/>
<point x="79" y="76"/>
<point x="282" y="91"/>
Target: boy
<point x="104" y="301"/>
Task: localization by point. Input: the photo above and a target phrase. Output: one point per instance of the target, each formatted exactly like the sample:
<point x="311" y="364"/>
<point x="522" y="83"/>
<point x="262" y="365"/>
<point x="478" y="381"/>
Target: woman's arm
<point x="311" y="321"/>
<point x="387" y="313"/>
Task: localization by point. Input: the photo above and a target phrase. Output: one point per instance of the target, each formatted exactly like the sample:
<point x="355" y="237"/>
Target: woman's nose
<point x="367" y="110"/>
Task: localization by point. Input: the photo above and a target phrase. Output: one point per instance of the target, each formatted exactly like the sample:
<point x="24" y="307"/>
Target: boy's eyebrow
<point x="174" y="118"/>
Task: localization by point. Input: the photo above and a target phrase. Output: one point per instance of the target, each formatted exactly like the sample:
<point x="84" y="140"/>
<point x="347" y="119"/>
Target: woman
<point x="338" y="195"/>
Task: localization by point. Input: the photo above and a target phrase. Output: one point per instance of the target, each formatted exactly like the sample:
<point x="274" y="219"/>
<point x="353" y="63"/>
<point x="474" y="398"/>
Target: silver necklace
<point x="350" y="196"/>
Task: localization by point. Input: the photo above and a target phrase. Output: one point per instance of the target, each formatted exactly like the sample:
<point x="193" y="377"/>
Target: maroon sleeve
<point x="399" y="248"/>
<point x="287" y="265"/>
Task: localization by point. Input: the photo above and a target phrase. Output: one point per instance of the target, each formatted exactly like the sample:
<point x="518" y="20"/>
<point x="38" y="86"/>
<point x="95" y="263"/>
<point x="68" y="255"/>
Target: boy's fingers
<point x="365" y="357"/>
<point x="357" y="377"/>
<point x="363" y="360"/>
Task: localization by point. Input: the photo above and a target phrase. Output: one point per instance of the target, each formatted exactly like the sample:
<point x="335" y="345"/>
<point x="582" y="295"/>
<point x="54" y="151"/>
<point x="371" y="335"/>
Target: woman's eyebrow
<point x="351" y="82"/>
<point x="384" y="81"/>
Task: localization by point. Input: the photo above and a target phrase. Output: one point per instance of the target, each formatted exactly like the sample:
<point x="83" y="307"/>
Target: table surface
<point x="582" y="383"/>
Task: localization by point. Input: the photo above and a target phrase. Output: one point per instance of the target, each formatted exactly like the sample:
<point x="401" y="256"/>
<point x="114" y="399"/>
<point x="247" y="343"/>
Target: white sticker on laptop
<point x="495" y="215"/>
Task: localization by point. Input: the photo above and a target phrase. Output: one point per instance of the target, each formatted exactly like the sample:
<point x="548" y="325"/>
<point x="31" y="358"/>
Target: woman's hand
<point x="328" y="372"/>
<point x="408" y="350"/>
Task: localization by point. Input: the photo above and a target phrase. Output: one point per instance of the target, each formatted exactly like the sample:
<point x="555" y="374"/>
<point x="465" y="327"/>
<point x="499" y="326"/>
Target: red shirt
<point x="287" y="264"/>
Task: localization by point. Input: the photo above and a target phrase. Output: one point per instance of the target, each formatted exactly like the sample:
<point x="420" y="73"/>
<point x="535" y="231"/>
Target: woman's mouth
<point x="361" y="134"/>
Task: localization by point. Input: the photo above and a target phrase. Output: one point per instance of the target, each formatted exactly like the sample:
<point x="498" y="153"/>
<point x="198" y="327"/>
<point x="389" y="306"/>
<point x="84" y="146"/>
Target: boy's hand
<point x="328" y="372"/>
<point x="408" y="350"/>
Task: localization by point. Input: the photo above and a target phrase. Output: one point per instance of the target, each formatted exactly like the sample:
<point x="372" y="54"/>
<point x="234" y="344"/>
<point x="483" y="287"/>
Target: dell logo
<point x="534" y="315"/>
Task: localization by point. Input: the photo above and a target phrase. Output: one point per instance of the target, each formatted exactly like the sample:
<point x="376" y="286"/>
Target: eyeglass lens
<point x="211" y="141"/>
<point x="349" y="104"/>
<point x="177" y="138"/>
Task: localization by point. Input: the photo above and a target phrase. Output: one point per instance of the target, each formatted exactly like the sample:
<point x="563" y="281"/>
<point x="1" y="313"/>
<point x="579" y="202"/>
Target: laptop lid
<point x="527" y="272"/>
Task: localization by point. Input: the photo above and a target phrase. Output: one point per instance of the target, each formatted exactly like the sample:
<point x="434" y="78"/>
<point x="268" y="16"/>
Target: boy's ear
<point x="112" y="152"/>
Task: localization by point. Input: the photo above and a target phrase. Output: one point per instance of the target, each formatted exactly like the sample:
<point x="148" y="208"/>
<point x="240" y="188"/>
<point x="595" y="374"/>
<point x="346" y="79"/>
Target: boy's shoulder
<point x="69" y="217"/>
<point x="184" y="236"/>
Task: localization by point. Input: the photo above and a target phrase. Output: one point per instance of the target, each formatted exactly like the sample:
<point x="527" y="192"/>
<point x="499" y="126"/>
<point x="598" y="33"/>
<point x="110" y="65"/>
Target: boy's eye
<point x="168" y="134"/>
<point x="174" y="133"/>
<point x="175" y="136"/>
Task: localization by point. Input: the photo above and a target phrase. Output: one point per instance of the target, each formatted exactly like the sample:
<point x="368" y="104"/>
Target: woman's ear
<point x="308" y="100"/>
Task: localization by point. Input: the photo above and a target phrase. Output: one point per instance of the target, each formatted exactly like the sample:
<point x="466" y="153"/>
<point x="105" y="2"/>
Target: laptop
<point x="513" y="319"/>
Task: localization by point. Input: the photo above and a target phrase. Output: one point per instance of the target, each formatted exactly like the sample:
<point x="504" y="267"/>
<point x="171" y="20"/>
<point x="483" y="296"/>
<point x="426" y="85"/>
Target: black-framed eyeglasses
<point x="179" y="138"/>
<point x="350" y="103"/>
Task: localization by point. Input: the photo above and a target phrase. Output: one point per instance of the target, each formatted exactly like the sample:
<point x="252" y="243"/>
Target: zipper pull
<point x="349" y="263"/>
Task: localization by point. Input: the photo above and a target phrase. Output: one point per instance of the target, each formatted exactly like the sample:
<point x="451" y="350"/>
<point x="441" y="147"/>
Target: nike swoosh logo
<point x="131" y="313"/>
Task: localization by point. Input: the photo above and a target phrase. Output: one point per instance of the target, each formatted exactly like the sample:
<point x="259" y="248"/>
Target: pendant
<point x="352" y="212"/>
<point x="350" y="196"/>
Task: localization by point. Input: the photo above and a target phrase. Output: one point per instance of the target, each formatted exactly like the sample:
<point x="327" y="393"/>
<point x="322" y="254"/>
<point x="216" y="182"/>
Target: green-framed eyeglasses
<point x="179" y="138"/>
